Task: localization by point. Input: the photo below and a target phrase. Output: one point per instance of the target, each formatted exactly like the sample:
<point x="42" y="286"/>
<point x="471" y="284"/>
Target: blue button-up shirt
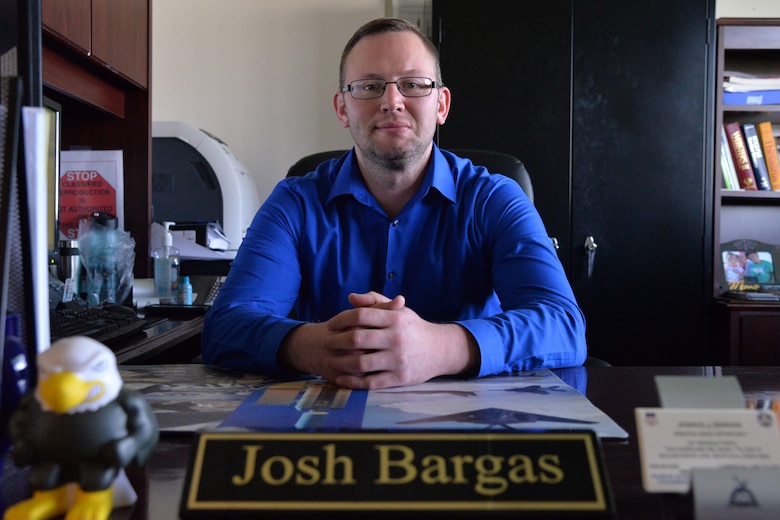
<point x="469" y="248"/>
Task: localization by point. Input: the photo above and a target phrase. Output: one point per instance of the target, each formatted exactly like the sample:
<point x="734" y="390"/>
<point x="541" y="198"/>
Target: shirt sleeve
<point x="250" y="316"/>
<point x="541" y="324"/>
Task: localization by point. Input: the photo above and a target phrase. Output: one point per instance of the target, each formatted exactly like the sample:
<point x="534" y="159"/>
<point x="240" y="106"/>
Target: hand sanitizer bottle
<point x="185" y="291"/>
<point x="166" y="267"/>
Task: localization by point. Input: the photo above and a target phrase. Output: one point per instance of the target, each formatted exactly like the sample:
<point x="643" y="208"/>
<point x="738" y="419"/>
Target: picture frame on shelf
<point x="749" y="266"/>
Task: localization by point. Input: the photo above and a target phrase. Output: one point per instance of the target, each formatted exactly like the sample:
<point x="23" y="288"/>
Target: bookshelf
<point x="747" y="331"/>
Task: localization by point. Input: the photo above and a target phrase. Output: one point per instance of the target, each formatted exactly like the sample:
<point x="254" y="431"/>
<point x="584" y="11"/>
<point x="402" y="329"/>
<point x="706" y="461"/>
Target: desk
<point x="160" y="339"/>
<point x="615" y="390"/>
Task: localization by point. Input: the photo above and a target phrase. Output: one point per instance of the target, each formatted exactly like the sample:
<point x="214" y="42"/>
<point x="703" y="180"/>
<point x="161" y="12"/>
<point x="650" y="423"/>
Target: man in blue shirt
<point x="400" y="261"/>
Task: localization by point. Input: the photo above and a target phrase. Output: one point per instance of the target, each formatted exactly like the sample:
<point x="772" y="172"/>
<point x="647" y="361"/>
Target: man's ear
<point x="443" y="107"/>
<point x="340" y="105"/>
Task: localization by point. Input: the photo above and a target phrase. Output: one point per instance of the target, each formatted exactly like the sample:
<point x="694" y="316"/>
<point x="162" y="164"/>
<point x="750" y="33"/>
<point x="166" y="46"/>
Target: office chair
<point x="497" y="162"/>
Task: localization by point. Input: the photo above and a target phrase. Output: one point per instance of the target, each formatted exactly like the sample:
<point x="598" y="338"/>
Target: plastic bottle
<point x="166" y="267"/>
<point x="100" y="261"/>
<point x="185" y="291"/>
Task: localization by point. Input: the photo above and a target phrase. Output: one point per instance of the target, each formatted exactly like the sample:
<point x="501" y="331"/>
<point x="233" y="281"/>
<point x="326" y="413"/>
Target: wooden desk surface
<point x="160" y="338"/>
<point x="615" y="390"/>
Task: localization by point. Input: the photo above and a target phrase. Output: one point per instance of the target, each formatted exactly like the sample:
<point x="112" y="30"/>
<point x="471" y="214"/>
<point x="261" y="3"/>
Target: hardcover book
<point x="756" y="156"/>
<point x="771" y="156"/>
<point x="739" y="151"/>
<point x="729" y="172"/>
<point x="755" y="97"/>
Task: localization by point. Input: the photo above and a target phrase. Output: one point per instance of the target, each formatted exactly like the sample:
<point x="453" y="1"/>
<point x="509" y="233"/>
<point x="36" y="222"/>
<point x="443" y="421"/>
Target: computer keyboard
<point x="214" y="290"/>
<point x="108" y="324"/>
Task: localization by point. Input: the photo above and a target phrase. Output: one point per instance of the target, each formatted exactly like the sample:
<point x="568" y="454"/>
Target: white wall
<point x="260" y="74"/>
<point x="747" y="9"/>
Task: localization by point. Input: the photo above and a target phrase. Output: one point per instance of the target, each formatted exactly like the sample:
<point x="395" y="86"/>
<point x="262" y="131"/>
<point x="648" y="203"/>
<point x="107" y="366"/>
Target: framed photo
<point x="749" y="265"/>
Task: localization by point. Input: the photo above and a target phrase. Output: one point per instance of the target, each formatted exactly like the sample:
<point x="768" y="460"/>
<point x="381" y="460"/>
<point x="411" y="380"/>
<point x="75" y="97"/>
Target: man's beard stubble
<point x="397" y="158"/>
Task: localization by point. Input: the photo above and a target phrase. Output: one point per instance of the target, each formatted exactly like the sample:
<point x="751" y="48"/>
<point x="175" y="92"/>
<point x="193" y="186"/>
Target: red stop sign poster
<point x="90" y="181"/>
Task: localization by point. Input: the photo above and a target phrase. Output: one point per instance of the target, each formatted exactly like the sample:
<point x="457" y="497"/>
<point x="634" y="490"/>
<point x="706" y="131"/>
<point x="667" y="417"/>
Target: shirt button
<point x="391" y="275"/>
<point x="395" y="223"/>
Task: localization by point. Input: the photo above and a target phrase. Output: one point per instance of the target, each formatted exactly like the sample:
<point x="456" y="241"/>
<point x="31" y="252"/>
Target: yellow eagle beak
<point x="64" y="390"/>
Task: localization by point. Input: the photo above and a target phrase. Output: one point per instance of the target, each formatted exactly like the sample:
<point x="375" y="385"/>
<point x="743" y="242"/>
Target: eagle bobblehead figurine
<point x="77" y="431"/>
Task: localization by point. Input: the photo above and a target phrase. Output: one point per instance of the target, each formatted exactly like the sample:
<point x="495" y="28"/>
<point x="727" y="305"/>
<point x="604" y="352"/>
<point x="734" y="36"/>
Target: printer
<point x="196" y="179"/>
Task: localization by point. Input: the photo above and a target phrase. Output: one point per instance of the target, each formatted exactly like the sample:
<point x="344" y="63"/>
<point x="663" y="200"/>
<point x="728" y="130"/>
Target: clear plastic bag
<point x="108" y="256"/>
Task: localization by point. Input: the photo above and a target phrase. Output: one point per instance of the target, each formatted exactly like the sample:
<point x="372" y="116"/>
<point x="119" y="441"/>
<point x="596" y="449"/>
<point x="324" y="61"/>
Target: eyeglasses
<point x="374" y="88"/>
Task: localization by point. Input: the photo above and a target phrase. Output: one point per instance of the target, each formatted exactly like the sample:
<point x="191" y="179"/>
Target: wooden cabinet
<point x="95" y="64"/>
<point x="748" y="333"/>
<point x="120" y="37"/>
<point x="71" y="21"/>
<point x="114" y="34"/>
<point x="609" y="105"/>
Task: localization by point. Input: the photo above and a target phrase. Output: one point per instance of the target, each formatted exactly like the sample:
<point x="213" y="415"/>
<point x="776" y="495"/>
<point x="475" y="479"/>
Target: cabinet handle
<point x="590" y="250"/>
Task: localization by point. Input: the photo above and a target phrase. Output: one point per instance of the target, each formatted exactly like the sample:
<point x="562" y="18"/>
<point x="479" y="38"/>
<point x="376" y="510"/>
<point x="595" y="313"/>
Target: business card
<point x="674" y="441"/>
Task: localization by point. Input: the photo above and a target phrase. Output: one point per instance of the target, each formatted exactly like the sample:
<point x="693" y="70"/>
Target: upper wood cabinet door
<point x="120" y="37"/>
<point x="70" y="21"/>
<point x="115" y="33"/>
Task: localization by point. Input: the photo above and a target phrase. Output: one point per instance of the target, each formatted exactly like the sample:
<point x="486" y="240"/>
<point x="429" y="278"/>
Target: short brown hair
<point x="385" y="25"/>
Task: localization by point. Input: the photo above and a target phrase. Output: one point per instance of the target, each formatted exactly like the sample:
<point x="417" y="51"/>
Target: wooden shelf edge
<point x="748" y="21"/>
<point x="61" y="74"/>
<point x="749" y="195"/>
<point x="751" y="108"/>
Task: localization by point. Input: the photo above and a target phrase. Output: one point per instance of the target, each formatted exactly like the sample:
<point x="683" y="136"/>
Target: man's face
<point x="392" y="129"/>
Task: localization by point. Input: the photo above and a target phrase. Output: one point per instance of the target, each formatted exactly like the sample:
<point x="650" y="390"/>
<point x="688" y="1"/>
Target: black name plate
<point x="452" y="472"/>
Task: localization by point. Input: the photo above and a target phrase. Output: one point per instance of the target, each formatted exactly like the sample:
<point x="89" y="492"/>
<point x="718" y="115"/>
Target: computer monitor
<point x="23" y="243"/>
<point x="196" y="178"/>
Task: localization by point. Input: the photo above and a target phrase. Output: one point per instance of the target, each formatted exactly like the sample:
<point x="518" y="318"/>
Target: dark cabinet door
<point x="508" y="64"/>
<point x="641" y="157"/>
<point x="606" y="104"/>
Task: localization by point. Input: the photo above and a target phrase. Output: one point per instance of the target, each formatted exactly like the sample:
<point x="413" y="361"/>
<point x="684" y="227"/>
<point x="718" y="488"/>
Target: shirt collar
<point x="348" y="180"/>
<point x="443" y="178"/>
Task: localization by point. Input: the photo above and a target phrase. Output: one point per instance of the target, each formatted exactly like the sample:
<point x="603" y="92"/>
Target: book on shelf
<point x="757" y="160"/>
<point x="739" y="150"/>
<point x="754" y="97"/>
<point x="737" y="81"/>
<point x="734" y="87"/>
<point x="771" y="155"/>
<point x="728" y="169"/>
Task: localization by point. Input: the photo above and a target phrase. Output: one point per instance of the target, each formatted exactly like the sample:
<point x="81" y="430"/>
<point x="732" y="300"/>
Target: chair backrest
<point x="497" y="162"/>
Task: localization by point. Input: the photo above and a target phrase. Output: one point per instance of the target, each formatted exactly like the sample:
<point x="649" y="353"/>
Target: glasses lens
<point x="367" y="88"/>
<point x="414" y="87"/>
<point x="374" y="88"/>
